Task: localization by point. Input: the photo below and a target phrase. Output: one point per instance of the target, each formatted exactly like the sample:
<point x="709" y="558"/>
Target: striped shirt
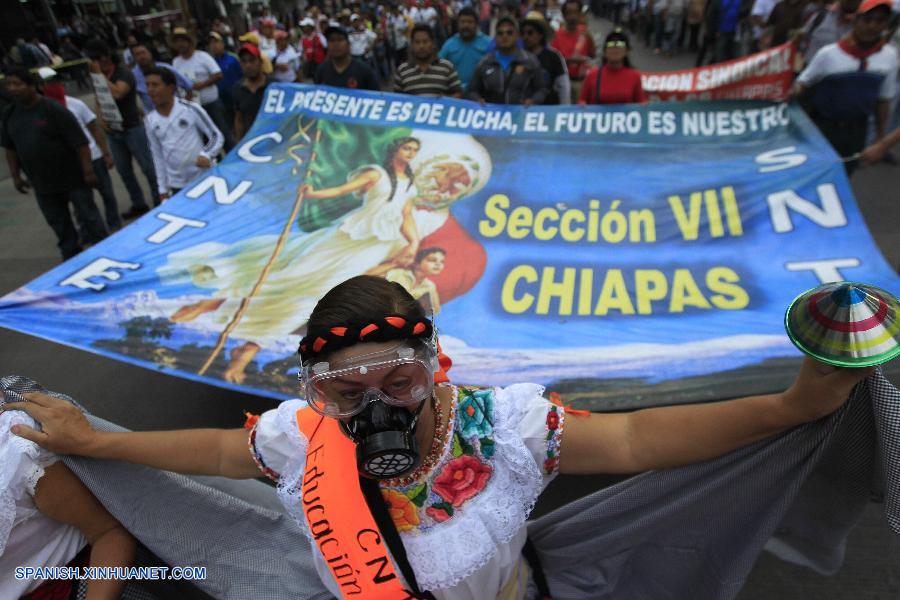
<point x="439" y="79"/>
<point x="177" y="139"/>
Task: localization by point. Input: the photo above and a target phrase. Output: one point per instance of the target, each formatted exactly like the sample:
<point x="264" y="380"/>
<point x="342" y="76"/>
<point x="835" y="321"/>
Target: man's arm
<point x="12" y="160"/>
<point x="882" y="114"/>
<point x="87" y="166"/>
<point x="159" y="160"/>
<point x="214" y="137"/>
<point x="120" y="88"/>
<point x="238" y="126"/>
<point x="538" y="85"/>
<point x="100" y="137"/>
<point x="877" y="150"/>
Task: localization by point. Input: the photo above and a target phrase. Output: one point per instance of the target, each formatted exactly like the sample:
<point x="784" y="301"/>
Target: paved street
<point x="140" y="398"/>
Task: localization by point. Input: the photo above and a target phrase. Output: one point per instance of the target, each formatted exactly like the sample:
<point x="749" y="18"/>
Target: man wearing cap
<point x="313" y="46"/>
<point x="362" y="39"/>
<point x="340" y="69"/>
<point x="266" y="35"/>
<point x="231" y="71"/>
<point x="467" y="47"/>
<point x="250" y="91"/>
<point x="851" y="80"/>
<point x="536" y="34"/>
<point x="44" y="139"/>
<point x="204" y="72"/>
<point x="143" y="60"/>
<point x="101" y="157"/>
<point x="285" y="59"/>
<point x="826" y="26"/>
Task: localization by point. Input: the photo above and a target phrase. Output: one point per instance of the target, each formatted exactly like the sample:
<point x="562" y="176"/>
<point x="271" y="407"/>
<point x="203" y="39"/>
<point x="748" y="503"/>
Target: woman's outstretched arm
<point x="658" y="438"/>
<point x="191" y="451"/>
<point x="362" y="182"/>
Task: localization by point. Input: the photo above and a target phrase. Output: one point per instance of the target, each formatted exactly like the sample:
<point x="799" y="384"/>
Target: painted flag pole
<point x="264" y="274"/>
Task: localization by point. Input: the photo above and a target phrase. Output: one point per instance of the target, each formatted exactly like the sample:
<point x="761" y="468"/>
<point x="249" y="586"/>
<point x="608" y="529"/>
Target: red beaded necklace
<point x="438" y="444"/>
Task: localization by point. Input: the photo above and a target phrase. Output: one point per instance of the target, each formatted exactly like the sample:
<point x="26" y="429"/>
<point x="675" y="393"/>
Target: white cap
<point x="307" y="22"/>
<point x="46" y="73"/>
<point x="354" y="17"/>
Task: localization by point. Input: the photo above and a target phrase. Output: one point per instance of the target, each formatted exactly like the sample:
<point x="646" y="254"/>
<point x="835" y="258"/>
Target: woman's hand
<point x="819" y="390"/>
<point x="65" y="428"/>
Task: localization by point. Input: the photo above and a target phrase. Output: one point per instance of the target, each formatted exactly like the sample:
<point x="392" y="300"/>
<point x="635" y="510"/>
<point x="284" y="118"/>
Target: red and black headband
<point x="392" y="327"/>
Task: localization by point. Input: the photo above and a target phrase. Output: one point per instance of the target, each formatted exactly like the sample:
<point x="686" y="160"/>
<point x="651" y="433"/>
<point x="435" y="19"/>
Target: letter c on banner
<point x="246" y="149"/>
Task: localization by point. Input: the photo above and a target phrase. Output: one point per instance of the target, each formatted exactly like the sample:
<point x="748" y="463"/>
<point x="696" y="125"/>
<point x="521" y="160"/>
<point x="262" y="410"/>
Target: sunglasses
<point x="617" y="44"/>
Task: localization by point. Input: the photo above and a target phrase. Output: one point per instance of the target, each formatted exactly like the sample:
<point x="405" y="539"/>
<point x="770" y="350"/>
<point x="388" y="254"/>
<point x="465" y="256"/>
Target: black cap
<point x="332" y="29"/>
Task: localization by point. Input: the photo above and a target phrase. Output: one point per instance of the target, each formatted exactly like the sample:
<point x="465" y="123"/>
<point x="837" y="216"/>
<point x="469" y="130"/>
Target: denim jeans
<point x="55" y="207"/>
<point x="105" y="187"/>
<point x="216" y="112"/>
<point x="128" y="144"/>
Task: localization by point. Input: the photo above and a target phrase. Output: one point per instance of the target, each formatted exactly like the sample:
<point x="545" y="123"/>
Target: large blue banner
<point x="568" y="246"/>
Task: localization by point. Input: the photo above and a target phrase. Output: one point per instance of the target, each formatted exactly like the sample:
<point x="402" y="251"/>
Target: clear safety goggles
<point x="402" y="375"/>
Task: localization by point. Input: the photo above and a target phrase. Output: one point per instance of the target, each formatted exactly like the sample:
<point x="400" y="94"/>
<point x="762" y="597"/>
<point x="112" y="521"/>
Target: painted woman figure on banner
<point x="406" y="199"/>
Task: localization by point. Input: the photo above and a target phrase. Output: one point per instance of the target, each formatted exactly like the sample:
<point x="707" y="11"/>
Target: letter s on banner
<point x="780" y="159"/>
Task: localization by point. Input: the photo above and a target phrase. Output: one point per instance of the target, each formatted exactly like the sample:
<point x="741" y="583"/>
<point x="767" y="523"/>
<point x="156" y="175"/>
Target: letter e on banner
<point x="99" y="268"/>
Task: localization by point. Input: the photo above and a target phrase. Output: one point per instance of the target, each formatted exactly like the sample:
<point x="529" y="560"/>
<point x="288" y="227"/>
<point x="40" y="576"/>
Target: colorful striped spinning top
<point x="846" y="324"/>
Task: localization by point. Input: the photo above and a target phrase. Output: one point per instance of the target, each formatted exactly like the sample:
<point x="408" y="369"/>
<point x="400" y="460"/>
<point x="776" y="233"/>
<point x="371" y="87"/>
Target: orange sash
<point x="338" y="516"/>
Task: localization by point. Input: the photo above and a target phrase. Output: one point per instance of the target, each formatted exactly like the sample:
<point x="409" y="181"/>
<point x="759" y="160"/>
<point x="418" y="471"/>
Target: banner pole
<point x="264" y="274"/>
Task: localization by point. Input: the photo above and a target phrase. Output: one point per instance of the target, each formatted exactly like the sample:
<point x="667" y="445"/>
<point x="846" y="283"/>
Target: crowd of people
<point x="211" y="86"/>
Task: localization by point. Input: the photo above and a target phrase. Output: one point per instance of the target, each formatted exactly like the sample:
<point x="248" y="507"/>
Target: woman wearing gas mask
<point x="408" y="486"/>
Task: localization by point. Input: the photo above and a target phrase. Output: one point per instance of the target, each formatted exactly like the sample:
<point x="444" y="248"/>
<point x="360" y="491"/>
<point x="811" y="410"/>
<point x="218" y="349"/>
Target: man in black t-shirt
<point x="340" y="69"/>
<point x="45" y="140"/>
<point x="248" y="93"/>
<point x="130" y="140"/>
<point x="536" y="34"/>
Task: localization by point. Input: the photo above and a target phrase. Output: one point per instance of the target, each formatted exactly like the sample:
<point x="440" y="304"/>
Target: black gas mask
<point x="386" y="445"/>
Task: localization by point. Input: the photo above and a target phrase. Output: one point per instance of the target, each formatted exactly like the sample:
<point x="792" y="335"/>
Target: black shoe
<point x="135" y="212"/>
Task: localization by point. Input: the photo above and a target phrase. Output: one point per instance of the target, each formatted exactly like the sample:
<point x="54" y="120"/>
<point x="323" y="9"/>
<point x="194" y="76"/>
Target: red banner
<point x="765" y="75"/>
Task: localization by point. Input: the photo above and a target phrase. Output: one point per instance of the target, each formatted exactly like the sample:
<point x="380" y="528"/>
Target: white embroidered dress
<point x="309" y="265"/>
<point x="464" y="521"/>
<point x="27" y="537"/>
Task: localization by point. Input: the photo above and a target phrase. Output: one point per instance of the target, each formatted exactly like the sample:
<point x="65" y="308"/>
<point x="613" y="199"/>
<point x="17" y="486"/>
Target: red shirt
<point x="620" y="85"/>
<point x="571" y="44"/>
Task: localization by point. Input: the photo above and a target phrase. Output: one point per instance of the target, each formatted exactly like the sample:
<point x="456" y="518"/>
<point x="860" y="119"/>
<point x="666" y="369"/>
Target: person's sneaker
<point x="135" y="212"/>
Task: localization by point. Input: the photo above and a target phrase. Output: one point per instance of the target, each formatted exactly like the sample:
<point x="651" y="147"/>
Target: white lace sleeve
<point x="540" y="424"/>
<point x="275" y="440"/>
<point x="22" y="464"/>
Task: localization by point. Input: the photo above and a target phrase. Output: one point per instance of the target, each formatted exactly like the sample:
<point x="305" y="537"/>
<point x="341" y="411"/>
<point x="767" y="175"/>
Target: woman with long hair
<point x="615" y="81"/>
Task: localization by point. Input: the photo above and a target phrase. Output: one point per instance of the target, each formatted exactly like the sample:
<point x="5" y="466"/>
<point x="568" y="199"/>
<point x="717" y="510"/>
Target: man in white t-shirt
<point x="362" y="39"/>
<point x="176" y="130"/>
<point x="424" y="15"/>
<point x="852" y="80"/>
<point x="285" y="59"/>
<point x="203" y="70"/>
<point x="101" y="158"/>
